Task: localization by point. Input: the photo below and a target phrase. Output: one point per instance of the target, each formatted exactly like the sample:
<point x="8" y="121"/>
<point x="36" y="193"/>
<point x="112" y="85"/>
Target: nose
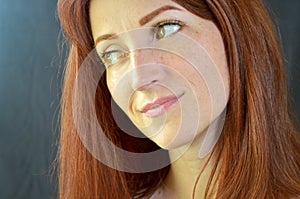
<point x="146" y="69"/>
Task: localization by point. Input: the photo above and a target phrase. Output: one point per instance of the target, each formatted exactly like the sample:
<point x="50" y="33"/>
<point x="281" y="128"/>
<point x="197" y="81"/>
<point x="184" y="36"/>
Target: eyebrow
<point x="156" y="12"/>
<point x="105" y="37"/>
<point x="142" y="22"/>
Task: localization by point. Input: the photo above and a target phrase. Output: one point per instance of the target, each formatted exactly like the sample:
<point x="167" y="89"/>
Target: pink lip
<point x="164" y="102"/>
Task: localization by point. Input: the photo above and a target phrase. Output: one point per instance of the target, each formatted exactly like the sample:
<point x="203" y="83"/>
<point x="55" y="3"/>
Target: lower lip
<point x="155" y="112"/>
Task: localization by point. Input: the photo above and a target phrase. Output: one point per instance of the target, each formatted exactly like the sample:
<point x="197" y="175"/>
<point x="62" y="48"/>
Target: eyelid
<point x="113" y="48"/>
<point x="112" y="51"/>
<point x="107" y="52"/>
<point x="168" y="21"/>
<point x="155" y="26"/>
<point x="122" y="55"/>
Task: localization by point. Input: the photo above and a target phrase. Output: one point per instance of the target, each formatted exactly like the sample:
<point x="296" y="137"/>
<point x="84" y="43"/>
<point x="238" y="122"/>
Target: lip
<point x="160" y="105"/>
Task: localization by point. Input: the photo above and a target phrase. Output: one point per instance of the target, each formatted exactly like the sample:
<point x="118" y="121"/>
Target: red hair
<point x="258" y="152"/>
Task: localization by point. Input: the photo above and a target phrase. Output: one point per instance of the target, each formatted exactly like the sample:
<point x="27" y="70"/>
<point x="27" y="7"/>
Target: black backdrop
<point x="30" y="79"/>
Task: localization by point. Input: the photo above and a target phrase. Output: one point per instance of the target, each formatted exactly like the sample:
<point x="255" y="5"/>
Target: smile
<point x="159" y="106"/>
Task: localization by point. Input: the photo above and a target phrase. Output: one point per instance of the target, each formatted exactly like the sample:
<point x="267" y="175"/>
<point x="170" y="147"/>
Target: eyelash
<point x="165" y="22"/>
<point x="169" y="22"/>
<point x="156" y="27"/>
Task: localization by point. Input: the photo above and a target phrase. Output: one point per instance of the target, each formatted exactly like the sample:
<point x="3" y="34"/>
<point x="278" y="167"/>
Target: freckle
<point x="161" y="57"/>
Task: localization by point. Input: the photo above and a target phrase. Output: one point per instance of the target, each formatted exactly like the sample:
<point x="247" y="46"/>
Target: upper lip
<point x="159" y="102"/>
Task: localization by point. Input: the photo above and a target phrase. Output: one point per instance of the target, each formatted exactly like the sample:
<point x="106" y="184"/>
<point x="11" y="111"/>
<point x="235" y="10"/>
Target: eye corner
<point x="160" y="33"/>
<point x="112" y="57"/>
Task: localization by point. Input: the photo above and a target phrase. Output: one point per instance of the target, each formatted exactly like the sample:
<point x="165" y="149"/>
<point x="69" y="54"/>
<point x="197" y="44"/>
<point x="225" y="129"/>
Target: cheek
<point x="111" y="84"/>
<point x="210" y="76"/>
<point x="116" y="91"/>
<point x="116" y="82"/>
<point x="216" y="50"/>
<point x="212" y="42"/>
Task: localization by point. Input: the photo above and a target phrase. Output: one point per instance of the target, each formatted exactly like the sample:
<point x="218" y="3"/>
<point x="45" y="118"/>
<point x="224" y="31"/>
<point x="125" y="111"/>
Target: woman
<point x="177" y="70"/>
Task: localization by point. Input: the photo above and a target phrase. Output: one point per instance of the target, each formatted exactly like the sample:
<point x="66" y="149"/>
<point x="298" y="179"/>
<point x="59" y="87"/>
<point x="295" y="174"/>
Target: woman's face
<point x="165" y="67"/>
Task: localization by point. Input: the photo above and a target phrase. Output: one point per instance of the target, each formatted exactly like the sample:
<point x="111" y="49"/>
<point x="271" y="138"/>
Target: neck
<point x="185" y="170"/>
<point x="183" y="175"/>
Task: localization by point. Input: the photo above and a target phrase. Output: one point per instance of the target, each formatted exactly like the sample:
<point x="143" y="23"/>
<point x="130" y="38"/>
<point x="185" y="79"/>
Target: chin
<point x="168" y="142"/>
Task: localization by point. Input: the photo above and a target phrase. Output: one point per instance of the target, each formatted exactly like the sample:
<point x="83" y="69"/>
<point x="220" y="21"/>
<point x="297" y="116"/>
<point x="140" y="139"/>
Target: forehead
<point x="116" y="15"/>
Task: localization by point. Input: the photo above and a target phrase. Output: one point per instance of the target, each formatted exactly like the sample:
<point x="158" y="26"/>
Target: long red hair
<point x="258" y="152"/>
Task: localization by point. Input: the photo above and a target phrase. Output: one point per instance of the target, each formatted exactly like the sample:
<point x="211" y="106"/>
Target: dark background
<point x="30" y="89"/>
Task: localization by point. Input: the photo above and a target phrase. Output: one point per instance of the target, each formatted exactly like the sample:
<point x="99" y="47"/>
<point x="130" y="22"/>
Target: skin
<point x="144" y="75"/>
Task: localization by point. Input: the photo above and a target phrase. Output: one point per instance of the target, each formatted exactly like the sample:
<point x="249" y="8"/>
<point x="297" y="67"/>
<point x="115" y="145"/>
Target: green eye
<point x="113" y="57"/>
<point x="166" y="28"/>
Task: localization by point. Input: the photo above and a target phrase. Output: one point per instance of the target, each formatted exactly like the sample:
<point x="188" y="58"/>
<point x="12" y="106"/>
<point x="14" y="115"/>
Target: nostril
<point x="142" y="85"/>
<point x="146" y="75"/>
